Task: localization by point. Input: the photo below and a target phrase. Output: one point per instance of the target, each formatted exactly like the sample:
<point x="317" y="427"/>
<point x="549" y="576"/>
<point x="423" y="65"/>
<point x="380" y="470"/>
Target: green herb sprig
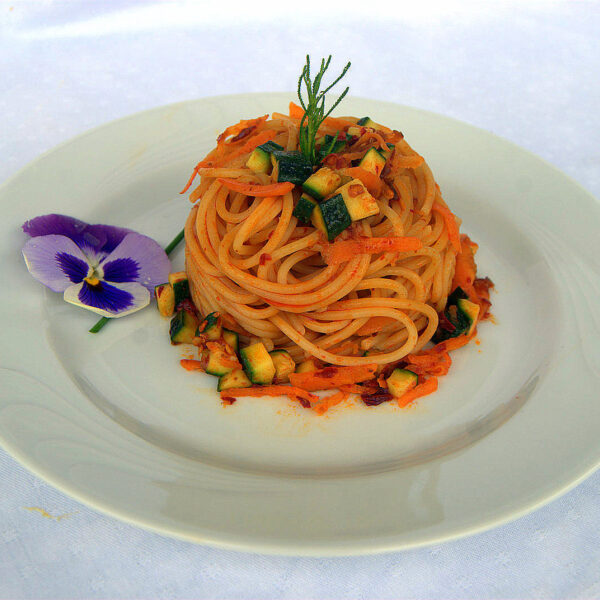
<point x="314" y="107"/>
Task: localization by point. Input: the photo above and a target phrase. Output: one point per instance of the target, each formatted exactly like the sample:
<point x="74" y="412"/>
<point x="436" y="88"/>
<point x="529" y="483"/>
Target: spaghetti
<point x="371" y="296"/>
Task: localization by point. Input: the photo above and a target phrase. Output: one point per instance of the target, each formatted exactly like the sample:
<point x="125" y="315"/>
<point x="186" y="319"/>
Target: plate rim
<point x="260" y="545"/>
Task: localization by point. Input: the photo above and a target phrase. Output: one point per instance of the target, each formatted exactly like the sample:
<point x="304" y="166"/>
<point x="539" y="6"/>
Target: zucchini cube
<point x="332" y="217"/>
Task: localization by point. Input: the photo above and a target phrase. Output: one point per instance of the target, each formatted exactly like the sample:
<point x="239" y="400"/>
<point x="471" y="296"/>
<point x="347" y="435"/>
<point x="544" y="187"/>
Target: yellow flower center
<point x="92" y="280"/>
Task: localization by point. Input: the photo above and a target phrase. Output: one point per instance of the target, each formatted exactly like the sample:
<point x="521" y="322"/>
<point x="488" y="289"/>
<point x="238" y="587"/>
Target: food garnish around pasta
<point x="320" y="255"/>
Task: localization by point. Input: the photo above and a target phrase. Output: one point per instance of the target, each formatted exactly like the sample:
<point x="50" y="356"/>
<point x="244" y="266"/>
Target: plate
<point x="112" y="419"/>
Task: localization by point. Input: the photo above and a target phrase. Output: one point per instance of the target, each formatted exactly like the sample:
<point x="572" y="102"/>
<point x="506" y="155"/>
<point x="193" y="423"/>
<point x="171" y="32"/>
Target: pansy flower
<point x="108" y="270"/>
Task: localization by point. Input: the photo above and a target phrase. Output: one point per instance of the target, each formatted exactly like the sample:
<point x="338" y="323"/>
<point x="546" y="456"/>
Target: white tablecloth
<point x="528" y="72"/>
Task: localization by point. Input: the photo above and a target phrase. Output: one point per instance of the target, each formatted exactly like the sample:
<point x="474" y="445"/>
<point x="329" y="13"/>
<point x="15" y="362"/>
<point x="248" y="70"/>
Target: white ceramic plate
<point x="113" y="420"/>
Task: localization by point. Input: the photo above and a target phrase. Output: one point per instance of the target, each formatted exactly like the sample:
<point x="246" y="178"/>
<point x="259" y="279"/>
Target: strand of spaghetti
<point x="261" y="191"/>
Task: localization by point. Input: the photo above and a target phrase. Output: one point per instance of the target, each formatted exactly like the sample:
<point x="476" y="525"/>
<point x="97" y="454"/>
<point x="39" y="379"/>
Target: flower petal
<point x="109" y="300"/>
<point x="121" y="270"/>
<point x="55" y="261"/>
<point x="152" y="262"/>
<point x="103" y="238"/>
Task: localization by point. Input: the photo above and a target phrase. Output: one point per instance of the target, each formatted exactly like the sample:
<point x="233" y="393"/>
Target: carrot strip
<point x="239" y="127"/>
<point x="191" y="365"/>
<point x="254" y="141"/>
<point x="332" y="377"/>
<point x="423" y="389"/>
<point x="374" y="324"/>
<point x="352" y="388"/>
<point x="345" y="250"/>
<point x="429" y="364"/>
<point x="452" y="344"/>
<point x="451" y="226"/>
<point x="327" y="403"/>
<point x="291" y="392"/>
<point x="262" y="191"/>
<point x="296" y="112"/>
<point x="465" y="270"/>
<point x="372" y="182"/>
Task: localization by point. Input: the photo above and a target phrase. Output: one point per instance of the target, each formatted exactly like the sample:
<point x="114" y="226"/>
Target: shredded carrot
<point x="372" y="182"/>
<point x="251" y="189"/>
<point x="429" y="364"/>
<point x="345" y="250"/>
<point x="234" y="130"/>
<point x="191" y="365"/>
<point x="374" y="324"/>
<point x="332" y="377"/>
<point x="451" y="226"/>
<point x="329" y="401"/>
<point x="466" y="269"/>
<point x="352" y="388"/>
<point x="452" y="343"/>
<point x="422" y="389"/>
<point x="291" y="392"/>
<point x="296" y="112"/>
<point x="252" y="142"/>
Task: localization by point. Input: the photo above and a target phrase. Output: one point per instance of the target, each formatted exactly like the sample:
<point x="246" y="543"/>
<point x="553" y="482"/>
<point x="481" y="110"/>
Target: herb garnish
<point x="314" y="107"/>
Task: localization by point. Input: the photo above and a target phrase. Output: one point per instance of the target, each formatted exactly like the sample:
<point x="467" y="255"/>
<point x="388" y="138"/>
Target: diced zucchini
<point x="211" y="327"/>
<point x="260" y="159"/>
<point x="234" y="379"/>
<point x="322" y="183"/>
<point x="327" y="145"/>
<point x="355" y="130"/>
<point x="292" y="166"/>
<point x="183" y="327"/>
<point x="181" y="286"/>
<point x="386" y="153"/>
<point x="456" y="295"/>
<point x="232" y="338"/>
<point x="372" y="161"/>
<point x="307" y="366"/>
<point x="366" y="122"/>
<point x="258" y="364"/>
<point x="165" y="299"/>
<point x="359" y="202"/>
<point x="400" y="381"/>
<point x="284" y="365"/>
<point x="219" y="361"/>
<point x="469" y="311"/>
<point x="304" y="208"/>
<point x="332" y="217"/>
<point x="462" y="319"/>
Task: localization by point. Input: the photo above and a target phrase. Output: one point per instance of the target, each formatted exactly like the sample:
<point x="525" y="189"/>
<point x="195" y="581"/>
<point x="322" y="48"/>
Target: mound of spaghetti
<point x="349" y="267"/>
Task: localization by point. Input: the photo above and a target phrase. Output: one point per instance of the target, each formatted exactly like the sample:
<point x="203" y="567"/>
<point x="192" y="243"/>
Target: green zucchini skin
<point x="461" y="313"/>
<point x="182" y="329"/>
<point x="232" y="338"/>
<point x="258" y="364"/>
<point x="293" y="166"/>
<point x="373" y="161"/>
<point x="332" y="216"/>
<point x="211" y="327"/>
<point x="304" y="209"/>
<point x="218" y="361"/>
<point x="165" y="299"/>
<point x="233" y="379"/>
<point x="260" y="158"/>
<point x="322" y="183"/>
<point x="181" y="287"/>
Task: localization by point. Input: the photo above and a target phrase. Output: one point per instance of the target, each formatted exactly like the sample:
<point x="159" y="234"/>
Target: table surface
<point x="528" y="72"/>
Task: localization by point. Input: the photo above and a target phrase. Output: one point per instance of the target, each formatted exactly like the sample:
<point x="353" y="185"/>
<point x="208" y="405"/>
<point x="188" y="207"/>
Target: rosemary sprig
<point x="314" y="106"/>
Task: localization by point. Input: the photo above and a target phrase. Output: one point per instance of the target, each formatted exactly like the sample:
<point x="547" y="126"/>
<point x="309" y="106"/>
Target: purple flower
<point x="108" y="270"/>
